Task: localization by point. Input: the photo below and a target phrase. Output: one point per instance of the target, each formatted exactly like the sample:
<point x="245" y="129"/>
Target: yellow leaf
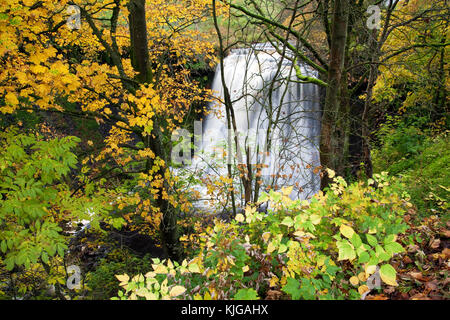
<point x="346" y="231"/>
<point x="354" y="280"/>
<point x="177" y="290"/>
<point x="362" y="277"/>
<point x="315" y="219"/>
<point x="369" y="270"/>
<point x="11" y="99"/>
<point x="194" y="268"/>
<point x="362" y="289"/>
<point x="287" y="191"/>
<point x="266" y="236"/>
<point x="160" y="268"/>
<point x="388" y="275"/>
<point x="270" y="247"/>
<point x="331" y="173"/>
<point x="282" y="248"/>
<point x="123" y="277"/>
<point x="239" y="218"/>
<point x="245" y="269"/>
<point x="273" y="281"/>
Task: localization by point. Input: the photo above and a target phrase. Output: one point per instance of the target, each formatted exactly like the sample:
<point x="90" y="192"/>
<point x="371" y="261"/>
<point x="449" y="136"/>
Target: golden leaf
<point x="177" y="290"/>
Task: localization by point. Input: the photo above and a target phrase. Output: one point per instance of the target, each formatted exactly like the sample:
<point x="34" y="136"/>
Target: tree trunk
<point x="140" y="61"/>
<point x="138" y="37"/>
<point x="331" y="135"/>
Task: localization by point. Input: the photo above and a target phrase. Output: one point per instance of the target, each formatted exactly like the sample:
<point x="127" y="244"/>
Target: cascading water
<point x="277" y="120"/>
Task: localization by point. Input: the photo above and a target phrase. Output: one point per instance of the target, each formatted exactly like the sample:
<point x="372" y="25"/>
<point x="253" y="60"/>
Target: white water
<point x="251" y="75"/>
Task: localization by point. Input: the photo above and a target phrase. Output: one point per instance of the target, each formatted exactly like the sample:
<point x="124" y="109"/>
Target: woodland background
<point x="87" y="115"/>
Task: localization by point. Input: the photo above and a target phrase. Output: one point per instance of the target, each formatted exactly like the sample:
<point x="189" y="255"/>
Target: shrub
<point x="323" y="249"/>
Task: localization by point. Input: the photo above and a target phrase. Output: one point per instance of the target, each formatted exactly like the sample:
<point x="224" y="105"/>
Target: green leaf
<point x="3" y="246"/>
<point x="307" y="290"/>
<point x="288" y="222"/>
<point x="388" y="274"/>
<point x="44" y="257"/>
<point x="292" y="287"/>
<point x="346" y="231"/>
<point x="363" y="257"/>
<point x="356" y="240"/>
<point x="393" y="247"/>
<point x="390" y="238"/>
<point x="371" y="240"/>
<point x="9" y="263"/>
<point x="246" y="294"/>
<point x="383" y="255"/>
<point x="346" y="252"/>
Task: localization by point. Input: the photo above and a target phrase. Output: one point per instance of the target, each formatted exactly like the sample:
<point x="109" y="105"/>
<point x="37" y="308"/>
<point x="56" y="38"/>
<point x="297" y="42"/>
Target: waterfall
<point x="267" y="97"/>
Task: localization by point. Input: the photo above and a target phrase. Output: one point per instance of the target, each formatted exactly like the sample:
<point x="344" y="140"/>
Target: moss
<point x="423" y="165"/>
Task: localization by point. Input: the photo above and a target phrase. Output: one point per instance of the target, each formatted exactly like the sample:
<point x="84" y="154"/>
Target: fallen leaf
<point x="419" y="296"/>
<point x="445" y="233"/>
<point x="446" y="251"/>
<point x="418" y="276"/>
<point x="407" y="259"/>
<point x="362" y="277"/>
<point x="362" y="289"/>
<point x="431" y="285"/>
<point x="389" y="290"/>
<point x="412" y="248"/>
<point x="354" y="280"/>
<point x="274" y="295"/>
<point x="377" y="297"/>
<point x="435" y="243"/>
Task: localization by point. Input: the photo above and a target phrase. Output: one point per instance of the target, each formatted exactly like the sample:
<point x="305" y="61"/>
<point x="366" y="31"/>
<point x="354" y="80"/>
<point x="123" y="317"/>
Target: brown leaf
<point x="418" y="276"/>
<point x="273" y="295"/>
<point x="435" y="243"/>
<point x="445" y="233"/>
<point x="389" y="290"/>
<point x="419" y="296"/>
<point x="412" y="248"/>
<point x="407" y="259"/>
<point x="446" y="251"/>
<point x="377" y="297"/>
<point x="431" y="285"/>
